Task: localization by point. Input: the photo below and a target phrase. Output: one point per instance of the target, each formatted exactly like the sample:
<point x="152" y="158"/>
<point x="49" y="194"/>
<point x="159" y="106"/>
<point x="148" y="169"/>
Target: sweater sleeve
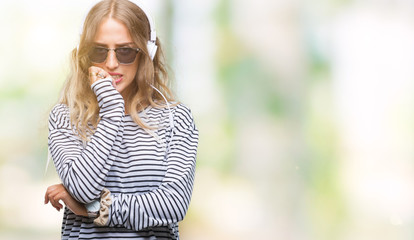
<point x="169" y="202"/>
<point x="83" y="169"/>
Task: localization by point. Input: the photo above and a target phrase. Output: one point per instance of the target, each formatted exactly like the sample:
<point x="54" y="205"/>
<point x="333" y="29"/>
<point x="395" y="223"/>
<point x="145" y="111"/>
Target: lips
<point x="116" y="76"/>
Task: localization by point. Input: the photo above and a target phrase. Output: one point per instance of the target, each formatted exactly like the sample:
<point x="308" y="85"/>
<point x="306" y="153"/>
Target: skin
<point x="56" y="193"/>
<point x="111" y="33"/>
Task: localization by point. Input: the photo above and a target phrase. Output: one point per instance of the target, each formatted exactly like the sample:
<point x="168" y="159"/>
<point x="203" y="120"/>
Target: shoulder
<point x="175" y="107"/>
<point x="60" y="108"/>
<point x="183" y="111"/>
<point x="180" y="114"/>
<point x="183" y="117"/>
<point x="59" y="116"/>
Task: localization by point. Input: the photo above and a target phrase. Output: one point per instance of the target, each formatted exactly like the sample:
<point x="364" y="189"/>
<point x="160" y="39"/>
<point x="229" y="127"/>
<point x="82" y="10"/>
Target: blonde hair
<point x="77" y="93"/>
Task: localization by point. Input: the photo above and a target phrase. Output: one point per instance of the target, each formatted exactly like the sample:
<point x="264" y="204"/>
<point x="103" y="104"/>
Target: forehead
<point x="112" y="31"/>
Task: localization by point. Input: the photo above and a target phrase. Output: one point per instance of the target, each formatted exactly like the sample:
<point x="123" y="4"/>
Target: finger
<point x="95" y="71"/>
<point x="52" y="199"/>
<point x="92" y="74"/>
<point x="49" y="190"/>
<point x="102" y="74"/>
<point x="46" y="197"/>
<point x="53" y="194"/>
<point x="58" y="197"/>
<point x="57" y="208"/>
<point x="98" y="73"/>
<point x="95" y="75"/>
<point x="56" y="203"/>
<point x="92" y="77"/>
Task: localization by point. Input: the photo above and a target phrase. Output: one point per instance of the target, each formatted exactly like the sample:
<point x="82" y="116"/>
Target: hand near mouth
<point x="97" y="73"/>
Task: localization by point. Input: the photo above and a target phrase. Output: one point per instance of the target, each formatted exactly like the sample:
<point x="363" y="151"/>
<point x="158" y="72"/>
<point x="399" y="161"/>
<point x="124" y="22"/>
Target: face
<point x="113" y="34"/>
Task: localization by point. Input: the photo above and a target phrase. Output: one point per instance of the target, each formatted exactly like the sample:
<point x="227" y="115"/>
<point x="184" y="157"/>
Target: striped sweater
<point x="150" y="173"/>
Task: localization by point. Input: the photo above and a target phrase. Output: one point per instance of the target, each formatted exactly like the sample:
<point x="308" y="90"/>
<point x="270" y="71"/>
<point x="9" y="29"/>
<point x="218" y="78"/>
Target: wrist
<point x="84" y="212"/>
<point x="92" y="209"/>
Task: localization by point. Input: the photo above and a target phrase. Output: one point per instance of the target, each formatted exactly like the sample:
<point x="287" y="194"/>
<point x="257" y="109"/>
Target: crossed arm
<point x="56" y="193"/>
<point x="164" y="205"/>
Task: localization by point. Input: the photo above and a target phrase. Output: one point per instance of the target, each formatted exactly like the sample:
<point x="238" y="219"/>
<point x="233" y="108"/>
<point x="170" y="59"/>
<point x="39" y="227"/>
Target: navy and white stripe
<point x="151" y="188"/>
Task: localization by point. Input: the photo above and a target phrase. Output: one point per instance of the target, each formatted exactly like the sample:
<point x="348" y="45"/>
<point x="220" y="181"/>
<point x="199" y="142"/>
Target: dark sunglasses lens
<point x="98" y="55"/>
<point x="126" y="55"/>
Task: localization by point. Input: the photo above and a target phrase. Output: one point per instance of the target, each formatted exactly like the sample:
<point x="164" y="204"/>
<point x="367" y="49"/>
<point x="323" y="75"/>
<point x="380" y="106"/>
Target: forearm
<point x="156" y="208"/>
<point x="58" y="192"/>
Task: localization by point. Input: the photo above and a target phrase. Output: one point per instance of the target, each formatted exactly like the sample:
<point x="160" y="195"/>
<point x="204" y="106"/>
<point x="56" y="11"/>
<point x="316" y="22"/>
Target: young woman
<point x="123" y="149"/>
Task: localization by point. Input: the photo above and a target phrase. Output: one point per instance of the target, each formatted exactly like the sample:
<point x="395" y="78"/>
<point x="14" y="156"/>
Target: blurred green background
<point x="305" y="111"/>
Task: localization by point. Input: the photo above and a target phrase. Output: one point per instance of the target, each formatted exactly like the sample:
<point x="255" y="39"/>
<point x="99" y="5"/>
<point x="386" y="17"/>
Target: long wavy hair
<point x="77" y="93"/>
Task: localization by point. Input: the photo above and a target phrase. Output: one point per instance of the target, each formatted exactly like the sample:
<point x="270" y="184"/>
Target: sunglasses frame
<point x="115" y="50"/>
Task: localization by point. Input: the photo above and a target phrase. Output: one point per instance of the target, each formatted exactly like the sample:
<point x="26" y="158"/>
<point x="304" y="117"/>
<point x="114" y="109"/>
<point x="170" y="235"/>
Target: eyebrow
<point x="117" y="45"/>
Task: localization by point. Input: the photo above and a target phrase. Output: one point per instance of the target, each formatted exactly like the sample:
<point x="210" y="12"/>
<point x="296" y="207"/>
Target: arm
<point x="84" y="169"/>
<point x="57" y="192"/>
<point x="169" y="202"/>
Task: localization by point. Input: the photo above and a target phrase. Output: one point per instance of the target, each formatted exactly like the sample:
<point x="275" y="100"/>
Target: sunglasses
<point x="125" y="55"/>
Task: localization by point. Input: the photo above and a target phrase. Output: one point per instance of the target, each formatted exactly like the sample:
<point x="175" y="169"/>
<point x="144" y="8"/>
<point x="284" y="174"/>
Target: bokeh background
<point x="305" y="111"/>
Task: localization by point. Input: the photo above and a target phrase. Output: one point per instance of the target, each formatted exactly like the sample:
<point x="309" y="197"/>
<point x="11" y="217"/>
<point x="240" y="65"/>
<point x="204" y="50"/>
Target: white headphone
<point x="151" y="43"/>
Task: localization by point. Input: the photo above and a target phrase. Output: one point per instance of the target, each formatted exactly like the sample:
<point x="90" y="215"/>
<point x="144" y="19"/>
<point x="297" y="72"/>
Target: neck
<point x="142" y="105"/>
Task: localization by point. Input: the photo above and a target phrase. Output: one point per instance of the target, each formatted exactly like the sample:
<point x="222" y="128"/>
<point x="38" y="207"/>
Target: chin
<point x="119" y="88"/>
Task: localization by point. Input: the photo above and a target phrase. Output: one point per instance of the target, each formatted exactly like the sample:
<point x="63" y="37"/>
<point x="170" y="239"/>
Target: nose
<point x="111" y="61"/>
